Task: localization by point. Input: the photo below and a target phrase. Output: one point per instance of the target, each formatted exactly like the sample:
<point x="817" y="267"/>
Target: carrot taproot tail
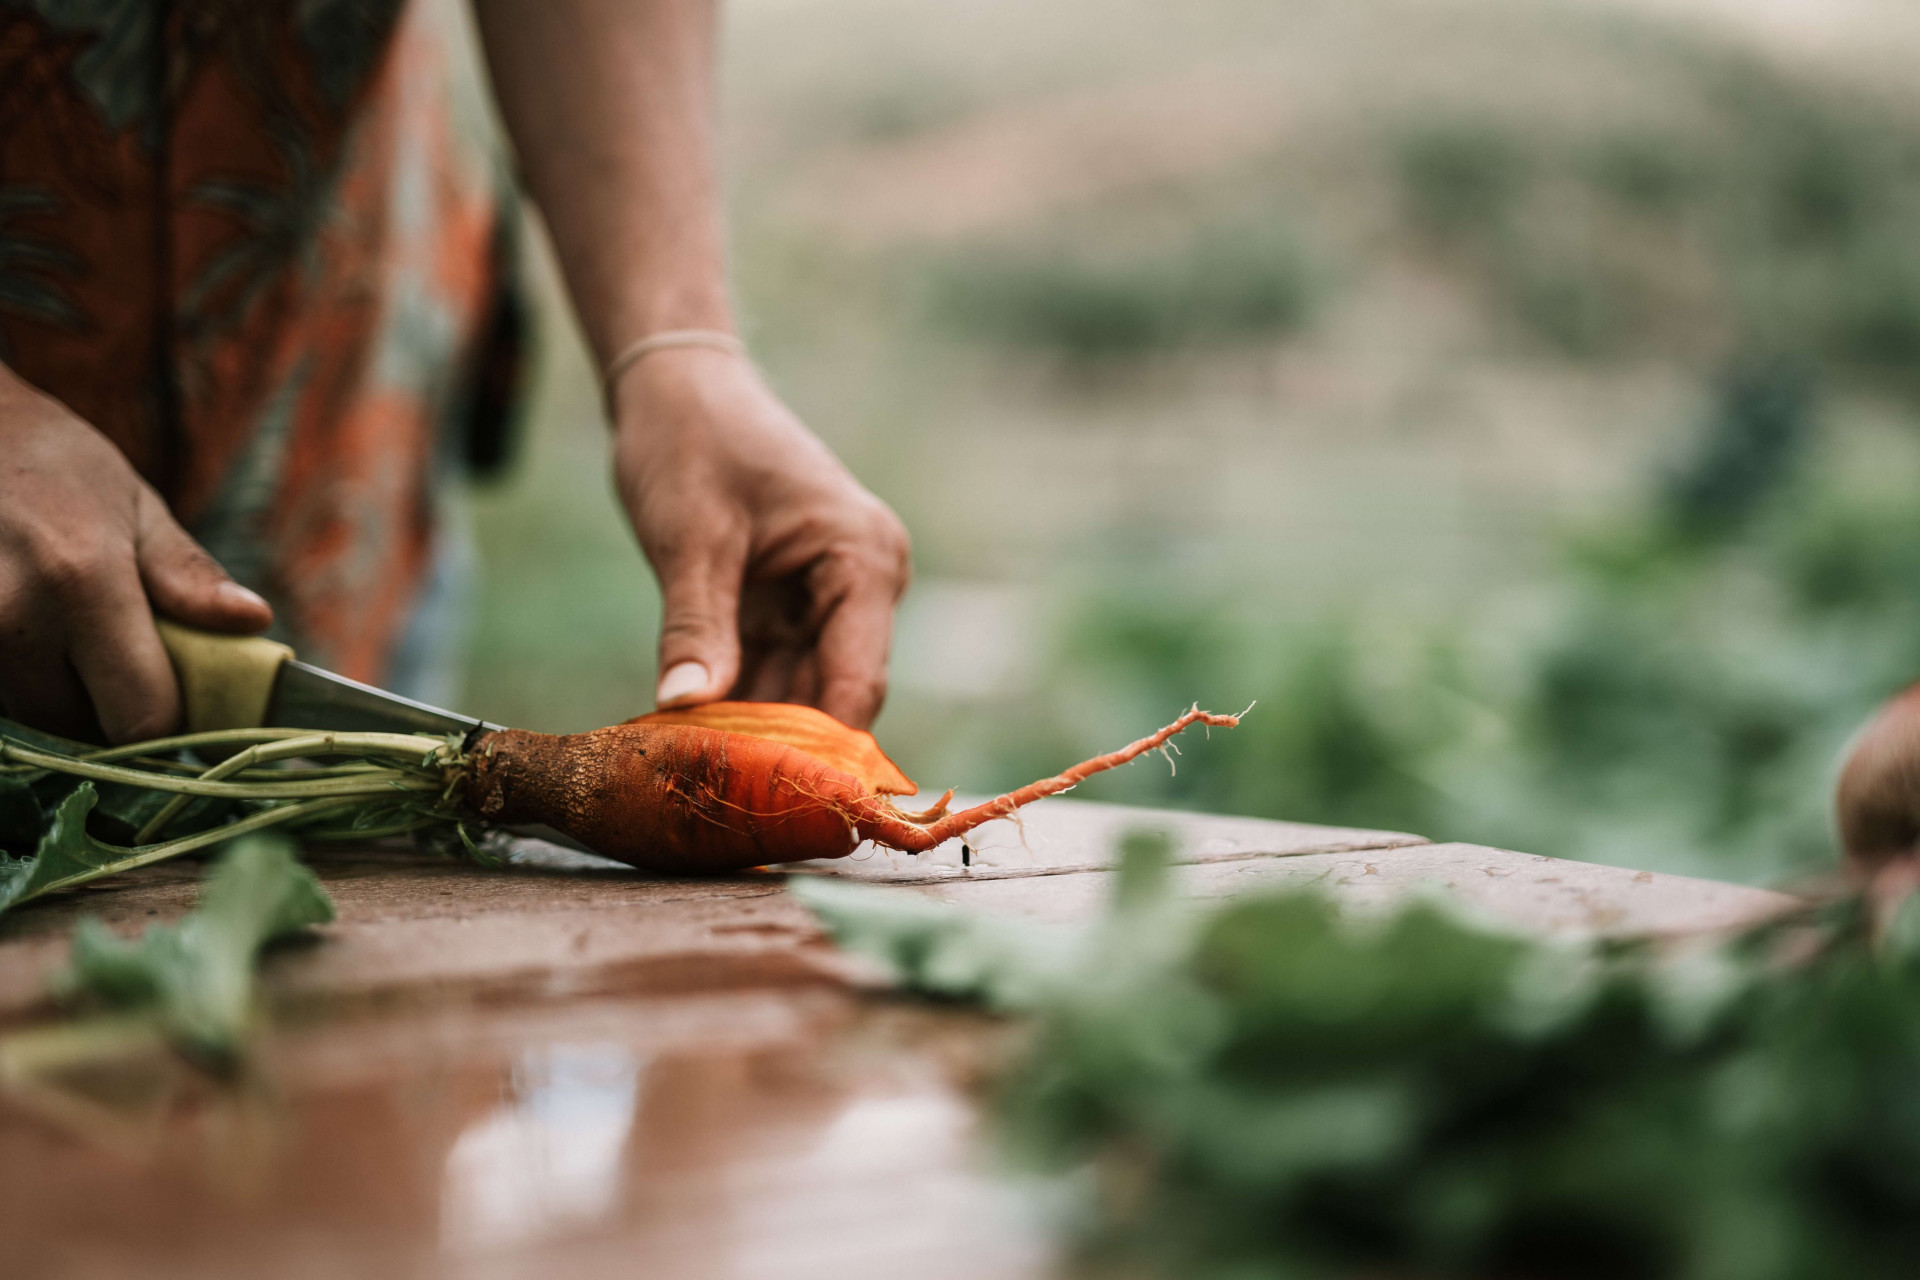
<point x="882" y="824"/>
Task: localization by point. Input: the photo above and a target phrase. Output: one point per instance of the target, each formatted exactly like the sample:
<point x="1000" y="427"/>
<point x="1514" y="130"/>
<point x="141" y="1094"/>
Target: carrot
<point x="735" y="785"/>
<point x="713" y="788"/>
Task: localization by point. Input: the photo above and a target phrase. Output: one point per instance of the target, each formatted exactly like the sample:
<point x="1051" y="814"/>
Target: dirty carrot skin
<point x="671" y="793"/>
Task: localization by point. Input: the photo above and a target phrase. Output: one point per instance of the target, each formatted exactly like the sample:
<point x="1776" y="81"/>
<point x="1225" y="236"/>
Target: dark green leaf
<point x="40" y="741"/>
<point x="66" y="851"/>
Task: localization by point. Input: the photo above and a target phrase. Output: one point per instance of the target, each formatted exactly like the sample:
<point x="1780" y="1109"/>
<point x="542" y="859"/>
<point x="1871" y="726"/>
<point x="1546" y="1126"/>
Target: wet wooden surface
<point x="569" y="1068"/>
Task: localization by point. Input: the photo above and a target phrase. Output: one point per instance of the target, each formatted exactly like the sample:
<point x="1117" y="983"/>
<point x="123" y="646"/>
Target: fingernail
<point x="237" y="596"/>
<point x="681" y="681"/>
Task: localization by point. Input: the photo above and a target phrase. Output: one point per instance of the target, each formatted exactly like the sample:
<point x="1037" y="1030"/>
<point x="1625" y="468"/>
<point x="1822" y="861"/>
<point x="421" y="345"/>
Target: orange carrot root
<point x="883" y="825"/>
<point x="680" y="797"/>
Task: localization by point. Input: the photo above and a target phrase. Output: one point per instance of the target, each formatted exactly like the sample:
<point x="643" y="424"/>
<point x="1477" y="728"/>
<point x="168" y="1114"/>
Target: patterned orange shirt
<point x="244" y="239"/>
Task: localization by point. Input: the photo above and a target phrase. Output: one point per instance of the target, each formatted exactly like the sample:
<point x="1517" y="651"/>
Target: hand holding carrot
<point x="779" y="571"/>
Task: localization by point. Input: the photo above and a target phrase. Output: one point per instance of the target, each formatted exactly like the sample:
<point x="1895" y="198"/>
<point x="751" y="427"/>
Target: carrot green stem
<point x="374" y="785"/>
<point x="145" y="856"/>
<point x="420" y="750"/>
<point x="261" y="753"/>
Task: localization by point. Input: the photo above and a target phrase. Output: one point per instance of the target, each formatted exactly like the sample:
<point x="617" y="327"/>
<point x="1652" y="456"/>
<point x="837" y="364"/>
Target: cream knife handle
<point x="226" y="682"/>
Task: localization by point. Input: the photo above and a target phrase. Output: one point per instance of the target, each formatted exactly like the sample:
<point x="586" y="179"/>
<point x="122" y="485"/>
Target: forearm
<point x="609" y="104"/>
<point x="734" y="501"/>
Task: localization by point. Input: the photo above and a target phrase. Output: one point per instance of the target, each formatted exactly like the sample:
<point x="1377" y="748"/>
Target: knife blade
<point x="307" y="697"/>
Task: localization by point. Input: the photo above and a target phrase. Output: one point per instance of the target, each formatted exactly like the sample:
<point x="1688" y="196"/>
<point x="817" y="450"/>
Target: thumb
<point x="186" y="584"/>
<point x="699" y="631"/>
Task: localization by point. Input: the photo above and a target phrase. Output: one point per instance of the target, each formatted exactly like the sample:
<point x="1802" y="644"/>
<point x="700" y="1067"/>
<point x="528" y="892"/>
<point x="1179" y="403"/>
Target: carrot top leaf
<point x="194" y="979"/>
<point x="65" y="854"/>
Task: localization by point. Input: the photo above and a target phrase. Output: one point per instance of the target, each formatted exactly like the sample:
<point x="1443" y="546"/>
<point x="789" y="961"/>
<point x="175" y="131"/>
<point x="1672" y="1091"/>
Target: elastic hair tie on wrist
<point x="634" y="352"/>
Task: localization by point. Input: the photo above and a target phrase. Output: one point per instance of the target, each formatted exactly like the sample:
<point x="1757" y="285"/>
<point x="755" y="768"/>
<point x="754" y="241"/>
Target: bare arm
<point x="609" y="104"/>
<point x="779" y="571"/>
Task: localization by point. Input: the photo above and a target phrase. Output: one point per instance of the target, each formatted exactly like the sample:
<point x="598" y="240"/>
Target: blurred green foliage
<point x="1463" y="177"/>
<point x="1205" y="285"/>
<point x="1269" y="1088"/>
<point x="1680" y="703"/>
<point x="1780" y="217"/>
<point x="1693" y="666"/>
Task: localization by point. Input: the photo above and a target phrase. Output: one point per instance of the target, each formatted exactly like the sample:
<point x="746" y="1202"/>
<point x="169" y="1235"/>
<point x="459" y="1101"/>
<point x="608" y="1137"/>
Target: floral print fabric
<point x="244" y="240"/>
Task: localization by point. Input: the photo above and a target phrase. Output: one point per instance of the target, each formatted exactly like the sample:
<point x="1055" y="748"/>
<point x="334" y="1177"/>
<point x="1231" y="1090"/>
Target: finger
<point x="852" y="655"/>
<point x="803" y="685"/>
<point x="186" y="584"/>
<point x="41" y="691"/>
<point x="772" y="678"/>
<point x="753" y="660"/>
<point x="699" y="630"/>
<point x="774" y="632"/>
<point x="116" y="651"/>
<point x="38" y="685"/>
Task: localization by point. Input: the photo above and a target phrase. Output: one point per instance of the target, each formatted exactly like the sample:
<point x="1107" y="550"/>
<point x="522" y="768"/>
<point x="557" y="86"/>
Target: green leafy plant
<point x="71" y="814"/>
<point x="192" y="981"/>
<point x="1273" y="1088"/>
<point x="181" y="995"/>
<point x="1221" y="284"/>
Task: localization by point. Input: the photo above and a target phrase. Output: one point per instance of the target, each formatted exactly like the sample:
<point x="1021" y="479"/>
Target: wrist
<point x="16" y="391"/>
<point x="28" y="412"/>
<point x="671" y="355"/>
<point x="689" y="299"/>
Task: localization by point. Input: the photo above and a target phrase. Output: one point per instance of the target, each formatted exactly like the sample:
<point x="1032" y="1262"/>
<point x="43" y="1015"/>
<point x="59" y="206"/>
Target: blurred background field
<point x="1520" y="400"/>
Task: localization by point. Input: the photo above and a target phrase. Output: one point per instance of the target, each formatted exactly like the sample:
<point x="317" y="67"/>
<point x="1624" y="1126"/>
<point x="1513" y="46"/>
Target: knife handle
<point x="226" y="681"/>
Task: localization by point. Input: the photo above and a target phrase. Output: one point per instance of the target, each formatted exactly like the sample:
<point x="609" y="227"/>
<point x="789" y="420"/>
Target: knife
<point x="251" y="682"/>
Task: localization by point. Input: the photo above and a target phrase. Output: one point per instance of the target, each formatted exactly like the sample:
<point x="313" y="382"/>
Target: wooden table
<point x="572" y="1069"/>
